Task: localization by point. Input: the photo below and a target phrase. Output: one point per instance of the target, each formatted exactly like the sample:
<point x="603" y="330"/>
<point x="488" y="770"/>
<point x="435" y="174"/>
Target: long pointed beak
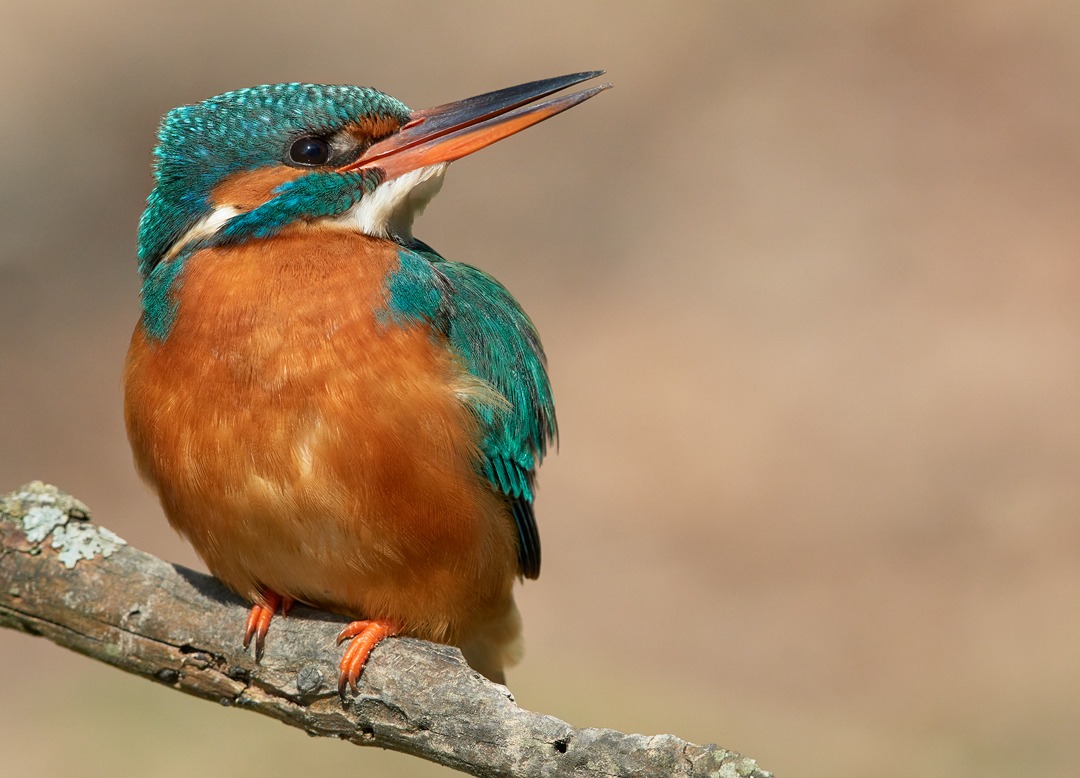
<point x="452" y="131"/>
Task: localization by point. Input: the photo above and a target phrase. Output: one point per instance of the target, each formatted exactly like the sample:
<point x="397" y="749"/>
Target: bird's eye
<point x="310" y="151"/>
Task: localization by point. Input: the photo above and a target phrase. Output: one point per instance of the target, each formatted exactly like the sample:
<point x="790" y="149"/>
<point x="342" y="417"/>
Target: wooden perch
<point x="82" y="587"/>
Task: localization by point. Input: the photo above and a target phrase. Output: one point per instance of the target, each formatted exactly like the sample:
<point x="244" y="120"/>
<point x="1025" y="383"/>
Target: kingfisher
<point x="330" y="411"/>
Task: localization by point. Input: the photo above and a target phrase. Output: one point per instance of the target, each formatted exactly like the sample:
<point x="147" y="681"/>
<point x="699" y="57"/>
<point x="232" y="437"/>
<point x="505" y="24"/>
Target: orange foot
<point x="258" y="621"/>
<point x="367" y="634"/>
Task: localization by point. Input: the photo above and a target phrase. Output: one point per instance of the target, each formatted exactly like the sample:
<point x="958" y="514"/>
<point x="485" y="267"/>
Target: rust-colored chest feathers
<point x="306" y="444"/>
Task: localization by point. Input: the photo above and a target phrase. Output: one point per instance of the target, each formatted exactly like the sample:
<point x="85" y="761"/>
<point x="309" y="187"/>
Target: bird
<point x="329" y="410"/>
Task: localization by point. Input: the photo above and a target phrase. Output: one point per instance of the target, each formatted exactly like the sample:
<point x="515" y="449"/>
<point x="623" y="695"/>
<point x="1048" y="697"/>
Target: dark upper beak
<point x="449" y="132"/>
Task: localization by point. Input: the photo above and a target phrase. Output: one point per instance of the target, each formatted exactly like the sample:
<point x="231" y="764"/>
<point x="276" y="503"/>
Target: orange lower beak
<point x="452" y="131"/>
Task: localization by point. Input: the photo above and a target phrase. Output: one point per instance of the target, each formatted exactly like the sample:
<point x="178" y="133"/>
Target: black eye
<point x="309" y="151"/>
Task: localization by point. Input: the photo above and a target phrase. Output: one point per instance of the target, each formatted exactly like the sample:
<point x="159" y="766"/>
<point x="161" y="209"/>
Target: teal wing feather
<point x="500" y="346"/>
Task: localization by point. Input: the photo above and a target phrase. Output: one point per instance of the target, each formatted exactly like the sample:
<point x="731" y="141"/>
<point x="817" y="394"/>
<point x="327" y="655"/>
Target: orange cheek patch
<point x="249" y="189"/>
<point x="371" y="128"/>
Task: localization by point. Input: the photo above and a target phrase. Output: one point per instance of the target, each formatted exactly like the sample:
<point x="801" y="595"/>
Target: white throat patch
<point x="391" y="208"/>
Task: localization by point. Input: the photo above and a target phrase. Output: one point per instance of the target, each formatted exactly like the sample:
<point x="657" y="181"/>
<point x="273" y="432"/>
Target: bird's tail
<point x="496" y="645"/>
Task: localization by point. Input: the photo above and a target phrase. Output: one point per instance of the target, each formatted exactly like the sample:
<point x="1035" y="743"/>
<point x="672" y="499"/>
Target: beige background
<point x="808" y="280"/>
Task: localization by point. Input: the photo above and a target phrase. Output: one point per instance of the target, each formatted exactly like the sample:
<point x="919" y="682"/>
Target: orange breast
<point x="306" y="446"/>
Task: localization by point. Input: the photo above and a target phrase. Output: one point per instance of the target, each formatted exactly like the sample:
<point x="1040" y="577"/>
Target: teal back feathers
<point x="487" y="328"/>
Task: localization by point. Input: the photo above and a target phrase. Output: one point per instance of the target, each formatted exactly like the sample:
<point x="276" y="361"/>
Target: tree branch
<point x="83" y="588"/>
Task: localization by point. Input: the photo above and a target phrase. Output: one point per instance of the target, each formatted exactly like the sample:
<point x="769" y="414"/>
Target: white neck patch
<point x="391" y="208"/>
<point x="206" y="227"/>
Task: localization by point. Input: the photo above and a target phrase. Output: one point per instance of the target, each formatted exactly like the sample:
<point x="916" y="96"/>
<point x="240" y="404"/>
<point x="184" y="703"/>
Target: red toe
<point x="366" y="635"/>
<point x="258" y="620"/>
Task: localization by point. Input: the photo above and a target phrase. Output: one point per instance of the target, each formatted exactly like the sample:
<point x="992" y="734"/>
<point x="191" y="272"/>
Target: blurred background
<point x="808" y="282"/>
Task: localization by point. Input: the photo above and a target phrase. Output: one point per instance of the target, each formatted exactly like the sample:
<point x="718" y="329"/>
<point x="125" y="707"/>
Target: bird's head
<point x="246" y="164"/>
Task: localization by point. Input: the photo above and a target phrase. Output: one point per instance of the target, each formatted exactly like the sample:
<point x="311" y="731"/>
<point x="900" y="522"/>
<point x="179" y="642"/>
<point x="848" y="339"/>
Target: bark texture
<point x="80" y="586"/>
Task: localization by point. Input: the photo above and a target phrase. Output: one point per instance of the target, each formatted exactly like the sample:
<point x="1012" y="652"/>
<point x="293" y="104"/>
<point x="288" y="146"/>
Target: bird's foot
<point x="258" y="621"/>
<point x="366" y="635"/>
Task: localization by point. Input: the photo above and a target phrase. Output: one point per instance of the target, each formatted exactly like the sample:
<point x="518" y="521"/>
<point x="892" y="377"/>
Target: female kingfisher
<point x="329" y="410"/>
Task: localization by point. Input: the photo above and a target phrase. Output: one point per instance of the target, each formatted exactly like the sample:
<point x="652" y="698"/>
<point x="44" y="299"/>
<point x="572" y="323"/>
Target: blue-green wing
<point x="500" y="346"/>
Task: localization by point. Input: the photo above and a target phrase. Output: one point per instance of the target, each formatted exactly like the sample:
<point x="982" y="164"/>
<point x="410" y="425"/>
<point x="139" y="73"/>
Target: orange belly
<point x="305" y="445"/>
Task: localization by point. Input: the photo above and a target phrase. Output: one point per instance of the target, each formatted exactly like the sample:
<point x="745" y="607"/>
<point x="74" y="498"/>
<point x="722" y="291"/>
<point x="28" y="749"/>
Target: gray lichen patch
<point x="41" y="520"/>
<point x="45" y="510"/>
<point x="732" y="765"/>
<point x="84" y="541"/>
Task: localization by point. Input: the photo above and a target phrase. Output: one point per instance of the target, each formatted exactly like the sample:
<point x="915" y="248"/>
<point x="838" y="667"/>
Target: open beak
<point x="449" y="132"/>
